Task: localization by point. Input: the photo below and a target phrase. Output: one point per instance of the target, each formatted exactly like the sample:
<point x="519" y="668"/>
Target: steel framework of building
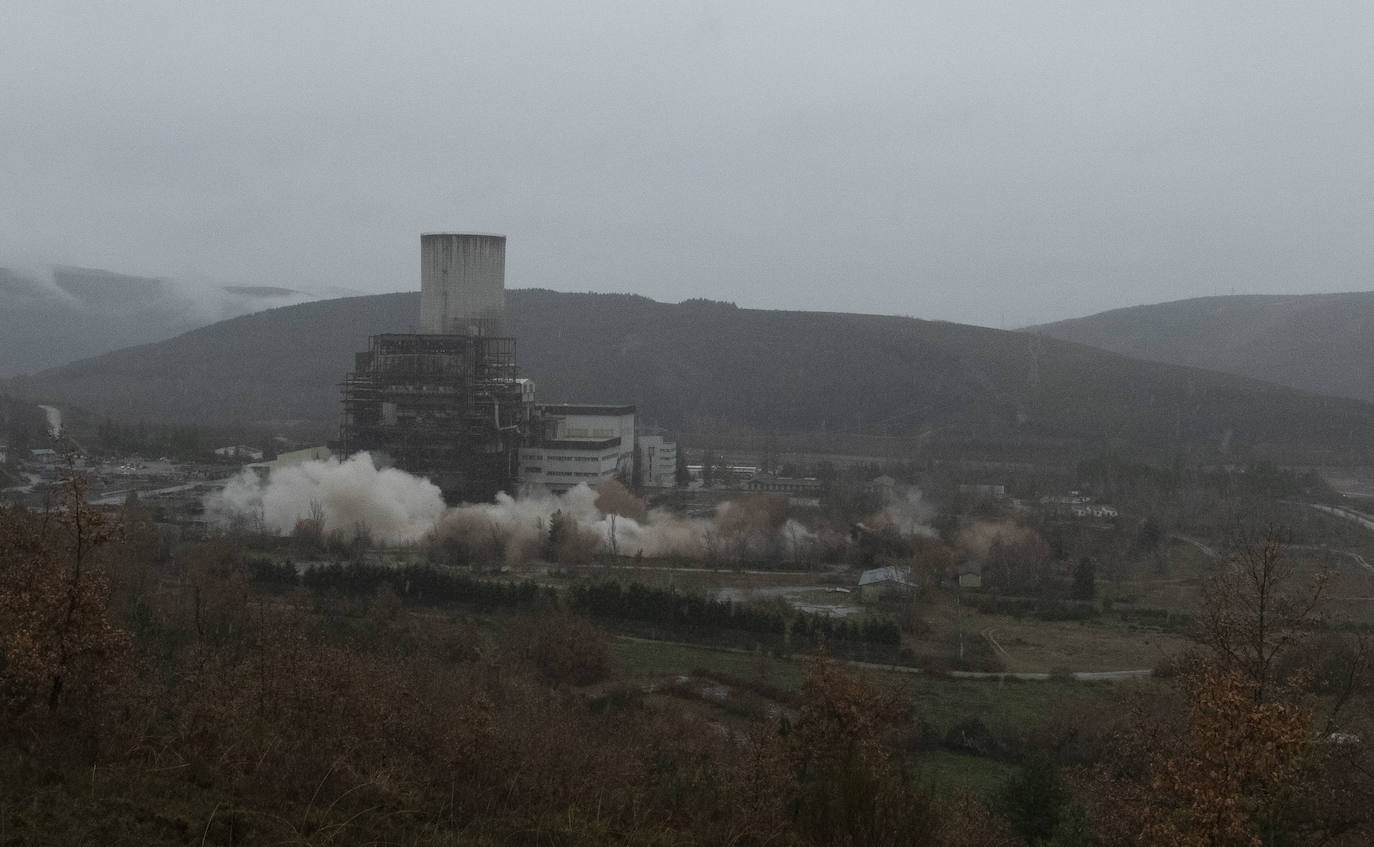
<point x="449" y="407"/>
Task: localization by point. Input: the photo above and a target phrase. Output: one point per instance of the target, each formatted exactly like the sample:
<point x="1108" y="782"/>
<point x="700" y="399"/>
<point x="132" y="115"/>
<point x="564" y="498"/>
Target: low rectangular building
<point x="44" y="456"/>
<point x="589" y="422"/>
<point x="571" y="444"/>
<point x="560" y="465"/>
<point x="877" y="582"/>
<point x="799" y="491"/>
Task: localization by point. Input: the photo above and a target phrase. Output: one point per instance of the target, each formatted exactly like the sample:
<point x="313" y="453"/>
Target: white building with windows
<point x="579" y="443"/>
<point x="560" y="465"/>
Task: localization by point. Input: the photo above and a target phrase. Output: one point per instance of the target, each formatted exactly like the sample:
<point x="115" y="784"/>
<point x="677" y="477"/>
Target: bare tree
<point x="1235" y="754"/>
<point x="1256" y="607"/>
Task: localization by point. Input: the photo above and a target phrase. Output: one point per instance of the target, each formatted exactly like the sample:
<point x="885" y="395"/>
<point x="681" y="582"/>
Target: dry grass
<point x="1042" y="646"/>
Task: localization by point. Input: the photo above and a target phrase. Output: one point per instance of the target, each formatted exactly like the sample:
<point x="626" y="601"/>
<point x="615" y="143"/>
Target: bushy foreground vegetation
<point x="179" y="696"/>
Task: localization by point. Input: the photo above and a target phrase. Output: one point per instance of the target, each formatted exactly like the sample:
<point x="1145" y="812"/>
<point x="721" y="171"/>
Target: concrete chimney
<point x="462" y="284"/>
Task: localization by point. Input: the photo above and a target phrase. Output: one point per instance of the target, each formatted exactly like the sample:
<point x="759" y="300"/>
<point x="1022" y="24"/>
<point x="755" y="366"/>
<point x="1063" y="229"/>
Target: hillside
<point x="710" y="366"/>
<point x="1315" y="342"/>
<point x="49" y="316"/>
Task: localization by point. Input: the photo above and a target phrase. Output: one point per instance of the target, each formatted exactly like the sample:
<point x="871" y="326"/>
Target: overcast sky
<point x="996" y="163"/>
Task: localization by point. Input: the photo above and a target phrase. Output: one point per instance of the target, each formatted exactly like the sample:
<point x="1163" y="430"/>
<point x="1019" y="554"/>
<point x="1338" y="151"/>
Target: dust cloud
<point x="346" y="497"/>
<point x="907" y="512"/>
<point x="392" y="507"/>
<point x="978" y="537"/>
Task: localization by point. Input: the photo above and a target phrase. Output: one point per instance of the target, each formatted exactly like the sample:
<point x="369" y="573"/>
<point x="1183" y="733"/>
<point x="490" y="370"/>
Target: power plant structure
<point x="448" y="403"/>
<point x="463" y="284"/>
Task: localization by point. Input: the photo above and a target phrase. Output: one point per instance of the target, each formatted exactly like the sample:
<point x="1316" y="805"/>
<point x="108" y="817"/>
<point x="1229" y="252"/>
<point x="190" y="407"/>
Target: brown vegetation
<point x="222" y="713"/>
<point x="58" y="649"/>
<point x="1235" y="753"/>
<point x="156" y="696"/>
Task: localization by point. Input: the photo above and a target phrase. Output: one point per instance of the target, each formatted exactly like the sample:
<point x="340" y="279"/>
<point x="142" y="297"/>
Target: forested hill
<point x="1315" y="342"/>
<point x="705" y="365"/>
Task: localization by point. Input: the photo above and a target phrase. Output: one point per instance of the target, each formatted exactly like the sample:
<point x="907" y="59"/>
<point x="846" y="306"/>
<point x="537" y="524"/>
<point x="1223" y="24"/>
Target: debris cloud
<point x="344" y="499"/>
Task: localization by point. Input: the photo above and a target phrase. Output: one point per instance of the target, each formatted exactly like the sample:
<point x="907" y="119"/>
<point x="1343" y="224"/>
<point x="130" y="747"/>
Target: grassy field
<point x="635" y="658"/>
<point x="949" y="772"/>
<point x="1027" y="644"/>
<point x="1170" y="580"/>
<point x="1105" y="645"/>
<point x="1008" y="713"/>
<point x="1006" y="707"/>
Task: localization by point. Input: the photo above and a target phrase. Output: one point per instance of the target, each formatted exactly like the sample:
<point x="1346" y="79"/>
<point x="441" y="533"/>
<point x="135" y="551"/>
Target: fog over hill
<point x="703" y="365"/>
<point x="1315" y="342"/>
<point x="54" y="314"/>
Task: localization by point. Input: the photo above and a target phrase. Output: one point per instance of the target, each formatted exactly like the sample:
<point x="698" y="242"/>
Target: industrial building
<point x="463" y="285"/>
<point x="571" y="444"/>
<point x="658" y="458"/>
<point x="290" y="459"/>
<point x="448" y="403"/>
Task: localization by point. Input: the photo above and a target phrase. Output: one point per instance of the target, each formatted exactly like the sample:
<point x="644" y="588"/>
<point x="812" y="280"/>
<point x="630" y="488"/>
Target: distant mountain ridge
<point x="1315" y="342"/>
<point x="701" y="366"/>
<point x="52" y="315"/>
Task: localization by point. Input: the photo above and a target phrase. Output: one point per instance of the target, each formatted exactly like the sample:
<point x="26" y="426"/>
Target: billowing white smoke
<point x="909" y="514"/>
<point x="391" y="505"/>
<point x="521" y="525"/>
<point x="395" y="507"/>
<point x="738" y="528"/>
<point x="797" y="539"/>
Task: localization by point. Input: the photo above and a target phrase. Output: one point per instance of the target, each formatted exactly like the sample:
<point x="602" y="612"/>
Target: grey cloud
<point x="992" y="163"/>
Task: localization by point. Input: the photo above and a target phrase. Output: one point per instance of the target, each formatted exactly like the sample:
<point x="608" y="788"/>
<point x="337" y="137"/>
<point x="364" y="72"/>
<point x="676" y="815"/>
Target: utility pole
<point x="959" y="613"/>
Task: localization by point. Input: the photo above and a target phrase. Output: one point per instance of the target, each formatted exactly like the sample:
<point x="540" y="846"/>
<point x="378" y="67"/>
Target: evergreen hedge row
<point x="422" y="584"/>
<point x="668" y="607"/>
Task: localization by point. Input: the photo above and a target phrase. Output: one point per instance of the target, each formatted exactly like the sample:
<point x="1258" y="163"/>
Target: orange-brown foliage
<point x="1233" y="755"/>
<point x="849" y="790"/>
<point x="58" y="648"/>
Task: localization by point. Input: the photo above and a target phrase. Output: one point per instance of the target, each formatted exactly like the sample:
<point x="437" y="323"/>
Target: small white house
<point x="874" y="583"/>
<point x="44" y="456"/>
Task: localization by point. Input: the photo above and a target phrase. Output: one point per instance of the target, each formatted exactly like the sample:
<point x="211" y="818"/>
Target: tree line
<point x="611" y="600"/>
<point x="421" y="584"/>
